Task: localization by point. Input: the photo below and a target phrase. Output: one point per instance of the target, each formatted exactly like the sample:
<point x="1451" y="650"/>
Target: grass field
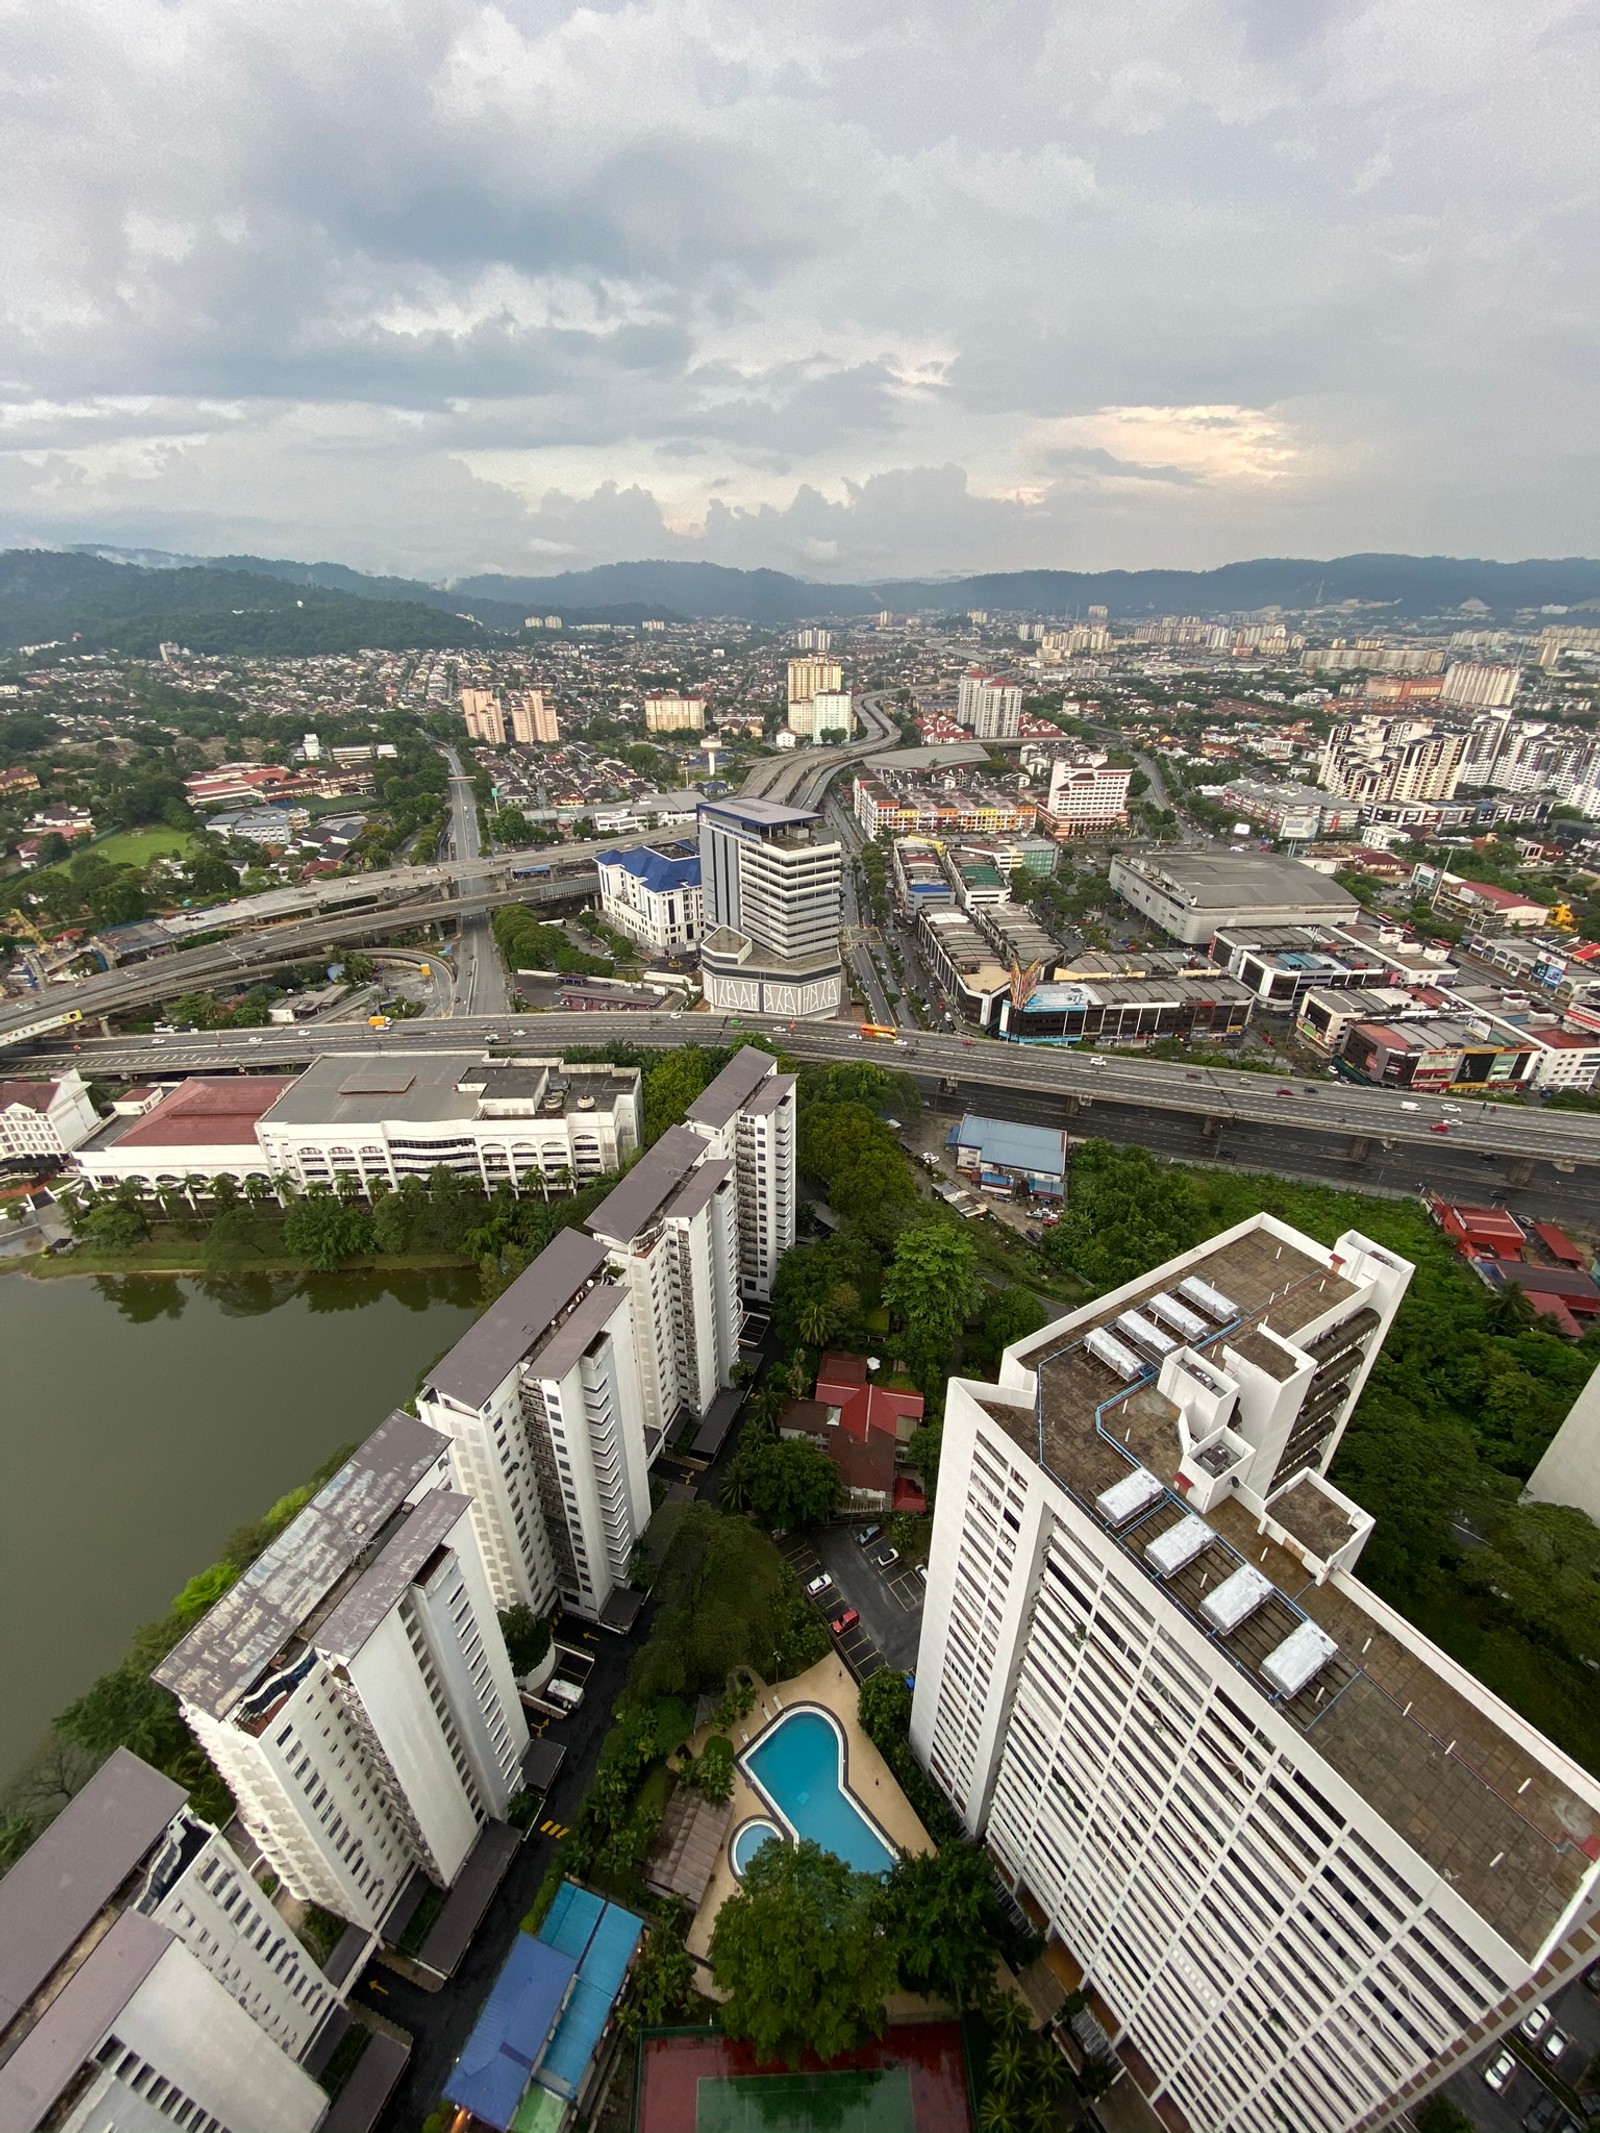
<point x="133" y="848"/>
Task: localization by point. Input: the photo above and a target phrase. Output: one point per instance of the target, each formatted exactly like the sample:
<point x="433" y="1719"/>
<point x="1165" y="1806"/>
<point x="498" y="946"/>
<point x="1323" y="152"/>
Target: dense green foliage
<point x="528" y="945"/>
<point x="792" y="1485"/>
<point x="726" y="1599"/>
<point x="799" y="1951"/>
<point x="527" y="1638"/>
<point x="884" y="1707"/>
<point x="942" y="1913"/>
<point x="931" y="1291"/>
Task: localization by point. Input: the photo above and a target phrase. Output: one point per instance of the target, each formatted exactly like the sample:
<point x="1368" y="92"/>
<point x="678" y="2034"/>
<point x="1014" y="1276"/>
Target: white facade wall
<point x="1086" y="794"/>
<point x="1273" y="1951"/>
<point x="182" y="2052"/>
<point x="68" y="1118"/>
<point x="228" y="1925"/>
<point x="493" y="1463"/>
<point x="528" y="1152"/>
<point x="592" y="1424"/>
<point x="1569" y="1472"/>
<point x="664" y="919"/>
<point x="760" y="1139"/>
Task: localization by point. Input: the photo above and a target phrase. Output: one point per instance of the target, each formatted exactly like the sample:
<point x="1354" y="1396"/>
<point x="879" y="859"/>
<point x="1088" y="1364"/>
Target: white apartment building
<point x="533" y="718"/>
<point x="1297" y="812"/>
<point x="833" y="715"/>
<point x="748" y="1114"/>
<point x="485" y="721"/>
<point x="1479" y="687"/>
<point x="1085" y="797"/>
<point x="1376" y="761"/>
<point x="540" y="1401"/>
<point x="808" y="678"/>
<point x="1303" y="1862"/>
<point x="671" y="1236"/>
<point x="990" y="705"/>
<point x="773" y="909"/>
<point x="813" y="640"/>
<point x="674" y="714"/>
<point x="146" y="1980"/>
<point x="45" y="1118"/>
<point x="1569" y="1471"/>
<point x="528" y="1123"/>
<point x="353" y="1688"/>
<point x="652" y="893"/>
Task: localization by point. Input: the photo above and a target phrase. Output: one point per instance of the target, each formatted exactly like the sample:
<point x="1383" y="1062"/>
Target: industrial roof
<point x="227" y="1651"/>
<point x="1226" y="880"/>
<point x="1000" y="1141"/>
<point x="205" y="1113"/>
<point x="494" y="1344"/>
<point x="74" y="1868"/>
<point x="602" y="1936"/>
<point x="354" y="1089"/>
<point x="661" y="867"/>
<point x="733" y="1087"/>
<point x="499" y="2056"/>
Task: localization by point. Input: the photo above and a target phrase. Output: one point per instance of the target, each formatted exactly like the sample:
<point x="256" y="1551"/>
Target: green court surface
<point x="864" y="2102"/>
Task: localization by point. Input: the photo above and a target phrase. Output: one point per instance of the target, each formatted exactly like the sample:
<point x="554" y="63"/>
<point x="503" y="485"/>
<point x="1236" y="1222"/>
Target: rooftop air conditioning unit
<point x="1139" y="1329"/>
<point x="1236" y="1599"/>
<point x="1206" y="1298"/>
<point x="1170" y="1312"/>
<point x="1105" y="1348"/>
<point x="1126" y="1498"/>
<point x="1180" y="1544"/>
<point x="1298" y="1659"/>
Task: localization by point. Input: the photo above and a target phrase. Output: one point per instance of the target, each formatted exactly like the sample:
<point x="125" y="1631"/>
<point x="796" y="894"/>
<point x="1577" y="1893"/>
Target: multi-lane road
<point x="479" y="973"/>
<point x="1541" y="1161"/>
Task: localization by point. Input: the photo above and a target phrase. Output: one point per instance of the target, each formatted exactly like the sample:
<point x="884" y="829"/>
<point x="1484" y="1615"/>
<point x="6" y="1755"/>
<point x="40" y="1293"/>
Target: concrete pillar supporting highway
<point x="1359" y="1148"/>
<point x="1074" y="1104"/>
<point x="1519" y="1171"/>
<point x="1211" y="1126"/>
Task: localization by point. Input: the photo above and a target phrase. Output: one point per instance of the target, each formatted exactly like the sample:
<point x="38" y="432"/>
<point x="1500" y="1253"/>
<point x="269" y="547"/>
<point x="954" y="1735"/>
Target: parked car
<point x="1553" y="2043"/>
<point x="1535" y="2022"/>
<point x="867" y="1535"/>
<point x="819" y="1583"/>
<point x="846" y="1621"/>
<point x="922" y="1572"/>
<point x="885" y="1558"/>
<point x="565" y="1693"/>
<point x="1500" y="2070"/>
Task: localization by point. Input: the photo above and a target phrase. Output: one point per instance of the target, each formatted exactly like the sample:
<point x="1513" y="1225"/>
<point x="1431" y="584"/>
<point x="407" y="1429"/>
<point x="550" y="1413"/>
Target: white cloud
<point x="441" y="283"/>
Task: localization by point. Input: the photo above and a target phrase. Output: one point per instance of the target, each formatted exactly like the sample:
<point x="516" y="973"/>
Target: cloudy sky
<point x="846" y="287"/>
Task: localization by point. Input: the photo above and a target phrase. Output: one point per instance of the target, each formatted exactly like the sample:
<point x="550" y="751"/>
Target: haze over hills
<point x="133" y="601"/>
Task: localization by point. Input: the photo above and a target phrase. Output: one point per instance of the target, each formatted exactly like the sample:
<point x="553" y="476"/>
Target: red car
<point x="1442" y="1127"/>
<point x="847" y="1620"/>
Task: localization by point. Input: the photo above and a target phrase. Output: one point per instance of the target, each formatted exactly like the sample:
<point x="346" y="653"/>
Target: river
<point x="143" y="1419"/>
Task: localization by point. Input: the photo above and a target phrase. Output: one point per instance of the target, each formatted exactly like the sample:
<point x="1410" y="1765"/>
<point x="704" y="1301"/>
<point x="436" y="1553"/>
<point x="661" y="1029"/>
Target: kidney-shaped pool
<point x="798" y="1767"/>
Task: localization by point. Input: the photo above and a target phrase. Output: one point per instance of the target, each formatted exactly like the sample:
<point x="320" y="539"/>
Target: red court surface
<point x="699" y="2081"/>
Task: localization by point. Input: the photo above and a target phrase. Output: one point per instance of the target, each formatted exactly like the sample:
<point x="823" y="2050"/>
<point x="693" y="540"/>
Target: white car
<point x="1534" y="2023"/>
<point x="818" y="1584"/>
<point x="1500" y="2070"/>
<point x="1553" y="2044"/>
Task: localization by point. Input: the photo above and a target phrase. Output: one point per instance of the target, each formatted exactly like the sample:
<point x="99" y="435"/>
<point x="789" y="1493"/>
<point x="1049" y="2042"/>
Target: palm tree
<point x="734" y="1494"/>
<point x="817" y="1321"/>
<point x="1510" y="1311"/>
<point x="1007" y="2060"/>
<point x="997" y="2114"/>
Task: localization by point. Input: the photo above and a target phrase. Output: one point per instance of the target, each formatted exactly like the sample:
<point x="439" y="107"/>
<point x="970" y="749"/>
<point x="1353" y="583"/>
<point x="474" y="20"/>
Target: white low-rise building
<point x="353" y="1687"/>
<point x="45" y="1118"/>
<point x="1304" y="1864"/>
<point x="652" y="893"/>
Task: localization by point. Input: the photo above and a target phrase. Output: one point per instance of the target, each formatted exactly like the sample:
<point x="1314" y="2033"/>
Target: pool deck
<point x="830" y="1684"/>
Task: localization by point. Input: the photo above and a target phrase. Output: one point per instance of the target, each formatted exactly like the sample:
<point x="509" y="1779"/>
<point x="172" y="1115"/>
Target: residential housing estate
<point x="1302" y="1862"/>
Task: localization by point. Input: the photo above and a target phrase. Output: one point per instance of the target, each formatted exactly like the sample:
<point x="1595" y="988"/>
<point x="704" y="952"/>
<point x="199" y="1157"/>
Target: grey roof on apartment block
<point x="225" y="1653"/>
<point x="70" y="1873"/>
<point x="771" y="1094"/>
<point x="490" y="1350"/>
<point x="698" y="1187"/>
<point x="372" y="1595"/>
<point x="634" y="1204"/>
<point x="71" y="2027"/>
<point x="733" y="1087"/>
<point x="576" y="1331"/>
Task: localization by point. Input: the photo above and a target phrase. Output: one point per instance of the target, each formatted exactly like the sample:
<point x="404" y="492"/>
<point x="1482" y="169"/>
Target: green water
<point x="142" y="1419"/>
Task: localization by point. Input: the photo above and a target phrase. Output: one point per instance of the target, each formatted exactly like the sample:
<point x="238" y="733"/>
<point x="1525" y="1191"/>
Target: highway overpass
<point x="1542" y="1162"/>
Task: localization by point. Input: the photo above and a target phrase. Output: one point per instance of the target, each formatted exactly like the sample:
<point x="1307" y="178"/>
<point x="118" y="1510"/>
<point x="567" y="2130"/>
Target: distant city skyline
<point x="854" y="293"/>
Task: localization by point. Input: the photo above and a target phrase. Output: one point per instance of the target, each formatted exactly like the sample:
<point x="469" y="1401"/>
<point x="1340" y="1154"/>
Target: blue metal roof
<point x="1001" y="1144"/>
<point x="659" y="867"/>
<point x="508" y="2037"/>
<point x="602" y="1937"/>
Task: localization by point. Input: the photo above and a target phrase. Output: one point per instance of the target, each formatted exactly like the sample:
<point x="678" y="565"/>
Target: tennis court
<point x="913" y="2079"/>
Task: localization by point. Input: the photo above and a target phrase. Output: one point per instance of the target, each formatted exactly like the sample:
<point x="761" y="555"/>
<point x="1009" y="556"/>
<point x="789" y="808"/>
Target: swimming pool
<point x="798" y="1766"/>
<point x="748" y="1839"/>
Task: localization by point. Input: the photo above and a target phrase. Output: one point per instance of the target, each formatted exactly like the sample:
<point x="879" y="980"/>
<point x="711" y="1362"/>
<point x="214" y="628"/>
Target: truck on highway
<point x="377" y="1021"/>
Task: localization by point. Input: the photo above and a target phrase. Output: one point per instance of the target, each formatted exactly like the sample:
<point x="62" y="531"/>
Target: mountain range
<point x="135" y="600"/>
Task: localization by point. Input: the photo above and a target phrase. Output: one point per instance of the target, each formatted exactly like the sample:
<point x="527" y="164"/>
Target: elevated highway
<point x="1539" y="1162"/>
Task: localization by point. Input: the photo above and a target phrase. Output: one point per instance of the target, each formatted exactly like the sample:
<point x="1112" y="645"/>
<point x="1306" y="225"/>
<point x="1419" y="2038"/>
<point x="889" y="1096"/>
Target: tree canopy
<point x="792" y="1485"/>
<point x="802" y="1956"/>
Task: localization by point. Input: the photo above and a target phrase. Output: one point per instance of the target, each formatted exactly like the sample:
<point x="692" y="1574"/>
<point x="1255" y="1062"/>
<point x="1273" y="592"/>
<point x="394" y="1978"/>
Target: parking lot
<point x="888" y="1603"/>
<point x="1541" y="2094"/>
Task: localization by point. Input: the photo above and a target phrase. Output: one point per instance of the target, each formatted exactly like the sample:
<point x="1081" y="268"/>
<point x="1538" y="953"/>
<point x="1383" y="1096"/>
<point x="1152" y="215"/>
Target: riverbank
<point x="190" y="1258"/>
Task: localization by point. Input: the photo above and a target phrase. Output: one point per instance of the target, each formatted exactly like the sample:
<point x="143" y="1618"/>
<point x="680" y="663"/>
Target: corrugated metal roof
<point x="498" y="2058"/>
<point x="1001" y="1142"/>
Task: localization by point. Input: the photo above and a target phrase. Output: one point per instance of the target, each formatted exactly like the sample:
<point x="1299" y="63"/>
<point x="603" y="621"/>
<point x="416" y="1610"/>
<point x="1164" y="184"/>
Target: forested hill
<point x="47" y="597"/>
